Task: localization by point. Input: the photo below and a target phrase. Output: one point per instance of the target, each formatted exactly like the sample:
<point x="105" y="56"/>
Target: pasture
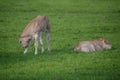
<point x="71" y="21"/>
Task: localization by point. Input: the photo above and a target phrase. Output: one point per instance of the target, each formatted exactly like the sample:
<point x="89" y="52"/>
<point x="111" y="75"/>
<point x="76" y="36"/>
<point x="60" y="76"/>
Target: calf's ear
<point x="101" y="39"/>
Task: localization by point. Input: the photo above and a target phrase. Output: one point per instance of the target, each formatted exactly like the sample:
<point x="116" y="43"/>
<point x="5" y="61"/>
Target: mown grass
<point x="71" y="21"/>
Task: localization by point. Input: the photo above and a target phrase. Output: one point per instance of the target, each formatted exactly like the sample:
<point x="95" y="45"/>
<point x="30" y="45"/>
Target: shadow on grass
<point x="14" y="57"/>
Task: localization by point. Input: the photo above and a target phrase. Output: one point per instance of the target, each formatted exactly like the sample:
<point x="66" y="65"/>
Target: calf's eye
<point x="19" y="41"/>
<point x="28" y="40"/>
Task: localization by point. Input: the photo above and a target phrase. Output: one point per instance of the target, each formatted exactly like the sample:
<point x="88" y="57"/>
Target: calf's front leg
<point x="36" y="44"/>
<point x="25" y="51"/>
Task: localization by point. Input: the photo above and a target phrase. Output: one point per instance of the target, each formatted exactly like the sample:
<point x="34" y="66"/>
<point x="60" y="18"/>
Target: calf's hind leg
<point x="48" y="40"/>
<point x="42" y="42"/>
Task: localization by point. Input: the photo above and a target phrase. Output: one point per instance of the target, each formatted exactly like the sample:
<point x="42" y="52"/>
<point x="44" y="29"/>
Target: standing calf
<point x="93" y="45"/>
<point x="34" y="30"/>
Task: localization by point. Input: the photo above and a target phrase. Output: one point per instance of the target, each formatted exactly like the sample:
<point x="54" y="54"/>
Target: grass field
<point x="71" y="21"/>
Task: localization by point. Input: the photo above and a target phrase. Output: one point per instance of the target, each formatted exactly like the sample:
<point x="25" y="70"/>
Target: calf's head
<point x="24" y="41"/>
<point x="106" y="44"/>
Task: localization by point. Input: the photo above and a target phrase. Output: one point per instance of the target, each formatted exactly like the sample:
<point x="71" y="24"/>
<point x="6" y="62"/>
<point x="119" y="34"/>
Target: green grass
<point x="71" y="21"/>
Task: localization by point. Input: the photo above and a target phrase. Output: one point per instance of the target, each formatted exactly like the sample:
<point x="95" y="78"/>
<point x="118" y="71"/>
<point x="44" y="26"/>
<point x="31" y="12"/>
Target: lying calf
<point x="93" y="45"/>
